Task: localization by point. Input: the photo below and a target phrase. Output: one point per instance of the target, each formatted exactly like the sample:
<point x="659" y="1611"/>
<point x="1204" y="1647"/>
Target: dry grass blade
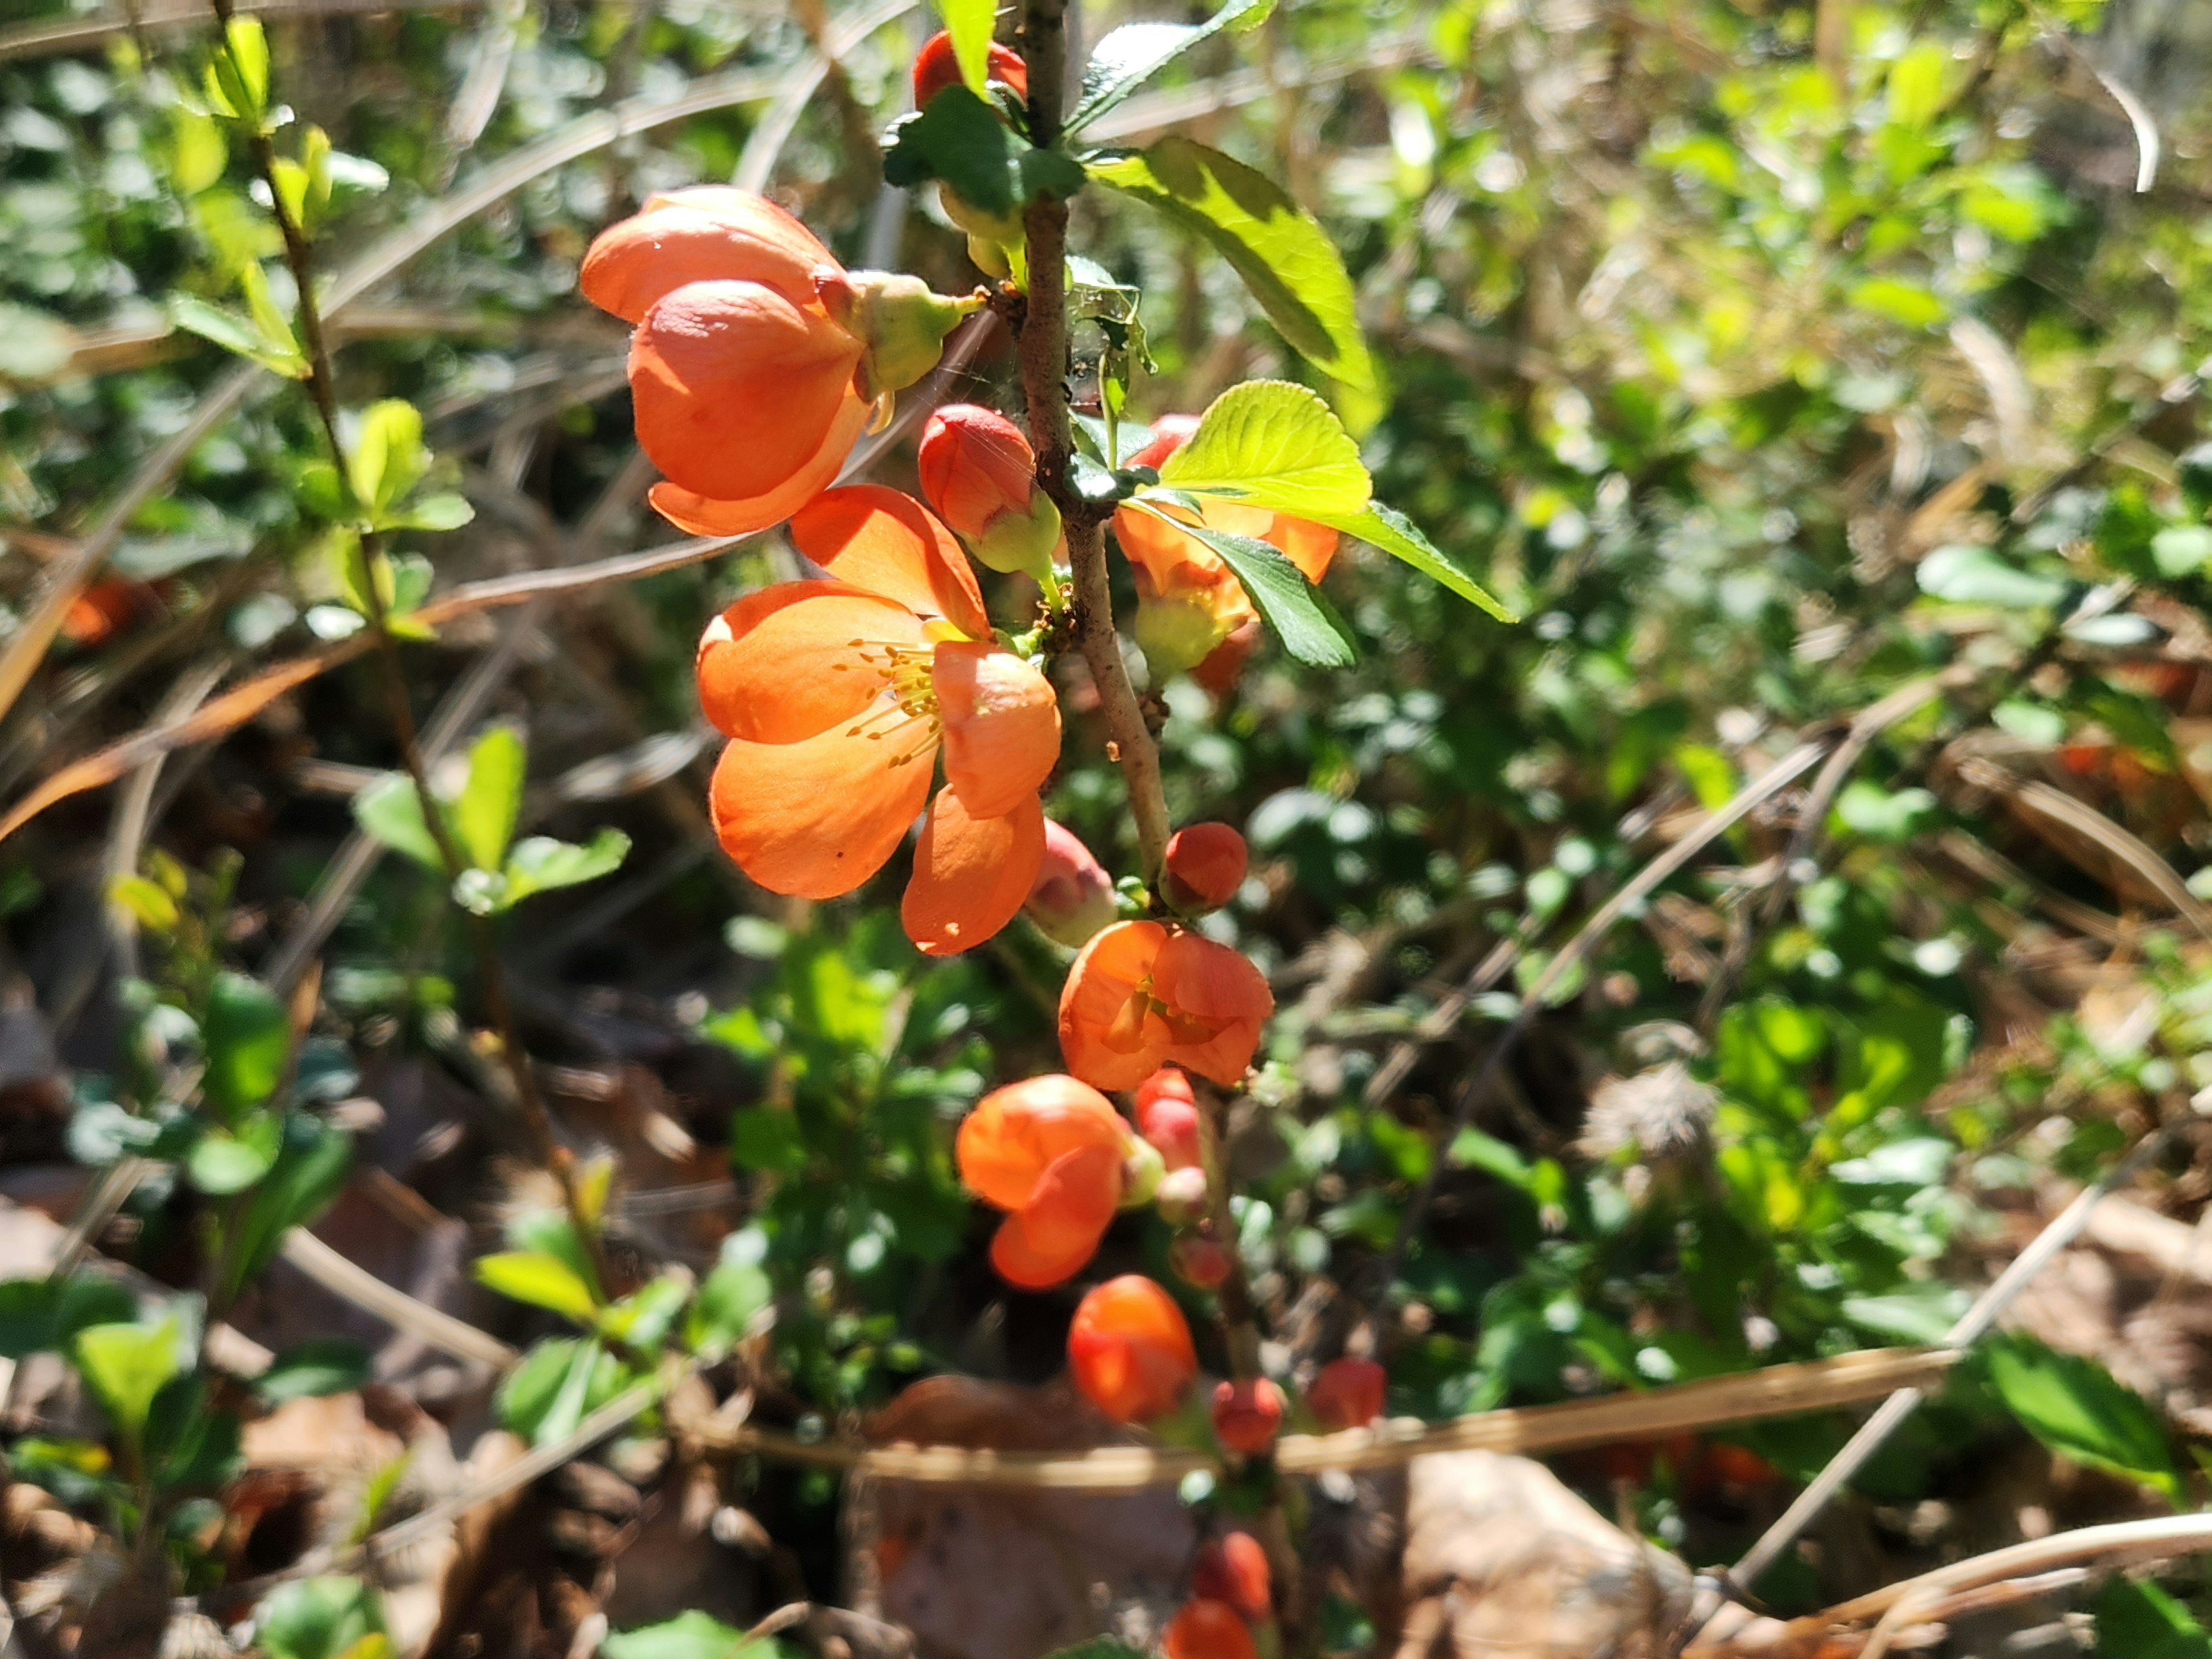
<point x="2056" y="806"/>
<point x="1775" y="1391"/>
<point x="78" y="34"/>
<point x="28" y="646"/>
<point x="431" y="1326"/>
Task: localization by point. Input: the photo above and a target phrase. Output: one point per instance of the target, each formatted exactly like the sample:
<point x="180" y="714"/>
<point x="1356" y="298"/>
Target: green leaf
<point x="692" y="1635"/>
<point x="1923" y="1313"/>
<point x="1131" y="55"/>
<point x="445" y="511"/>
<point x="540" y="863"/>
<point x="124" y="1366"/>
<point x="541" y="1279"/>
<point x="1098" y="1647"/>
<point x="323" y="1618"/>
<point x="735" y="1294"/>
<point x="2137" y="1620"/>
<point x="221" y="1163"/>
<point x="391" y="811"/>
<point x="2181" y="550"/>
<point x="969" y="22"/>
<point x="1274" y="445"/>
<point x="45" y="1314"/>
<point x="321" y="1366"/>
<point x="239" y="334"/>
<point x="1901" y="303"/>
<point x="642" y="1320"/>
<point x="388" y="459"/>
<point x="75" y="1471"/>
<point x="310" y="1170"/>
<point x="483" y="817"/>
<point x="1282" y="254"/>
<point x="237" y="80"/>
<point x="1916" y="84"/>
<point x="248" y="1037"/>
<point x="960" y="140"/>
<point x="2076" y="1407"/>
<point x="145" y="902"/>
<point x="1965" y="574"/>
<point x="1395" y="534"/>
<point x="1309" y="626"/>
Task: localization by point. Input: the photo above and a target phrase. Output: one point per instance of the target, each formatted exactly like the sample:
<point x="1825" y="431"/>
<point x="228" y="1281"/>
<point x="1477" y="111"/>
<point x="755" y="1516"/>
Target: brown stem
<point x="1044" y="388"/>
<point x="322" y="389"/>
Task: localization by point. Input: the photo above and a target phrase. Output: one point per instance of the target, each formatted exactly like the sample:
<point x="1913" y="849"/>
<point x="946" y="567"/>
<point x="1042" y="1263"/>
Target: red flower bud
<point x="1200" y="1262"/>
<point x="1247" y="1415"/>
<point x="1167" y="1115"/>
<point x="1208" y="1630"/>
<point x="1204" y="866"/>
<point x="935" y="68"/>
<point x="980" y="475"/>
<point x="1347" y="1395"/>
<point x="1129" y="1349"/>
<point x="1235" y="1570"/>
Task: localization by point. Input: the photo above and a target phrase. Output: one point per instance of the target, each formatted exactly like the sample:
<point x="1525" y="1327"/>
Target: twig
<point x="1972" y="1326"/>
<point x="364" y="1290"/>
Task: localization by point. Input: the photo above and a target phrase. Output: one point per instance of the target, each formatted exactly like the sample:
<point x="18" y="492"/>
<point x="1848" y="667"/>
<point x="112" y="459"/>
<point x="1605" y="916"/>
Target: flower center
<point x="905" y="671"/>
<point x="1145" y="1020"/>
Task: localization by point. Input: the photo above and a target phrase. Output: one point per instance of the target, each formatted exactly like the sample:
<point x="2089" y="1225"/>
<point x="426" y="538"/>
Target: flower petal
<point x="734" y="388"/>
<point x="1049" y="1239"/>
<point x="970" y="874"/>
<point x="701" y="515"/>
<point x="1306" y="544"/>
<point x="890" y="543"/>
<point x="782" y="664"/>
<point x="1006" y="1144"/>
<point x="1094" y="1041"/>
<point x="816" y="818"/>
<point x="707" y="233"/>
<point x="1001" y="725"/>
<point x="1213" y="987"/>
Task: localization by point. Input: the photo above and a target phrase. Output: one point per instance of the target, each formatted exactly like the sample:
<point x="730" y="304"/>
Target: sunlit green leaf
<point x="248" y="1037"/>
<point x="1274" y="445"/>
<point x="2073" y="1406"/>
<point x="1129" y="56"/>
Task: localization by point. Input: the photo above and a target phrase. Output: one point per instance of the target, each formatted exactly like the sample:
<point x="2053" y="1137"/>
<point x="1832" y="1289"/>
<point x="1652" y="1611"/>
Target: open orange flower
<point x="837" y="696"/>
<point x="1143" y="994"/>
<point x="1050" y="1151"/>
<point x="757" y="356"/>
<point x="1189" y="605"/>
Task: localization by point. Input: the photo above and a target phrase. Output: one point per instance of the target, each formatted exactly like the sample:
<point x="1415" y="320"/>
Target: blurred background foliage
<point x="1768" y="358"/>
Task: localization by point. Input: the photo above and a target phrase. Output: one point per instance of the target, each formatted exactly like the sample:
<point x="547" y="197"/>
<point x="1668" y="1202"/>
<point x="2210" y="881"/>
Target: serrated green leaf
<point x="1131" y="55"/>
<point x="541" y="1279"/>
<point x="969" y="22"/>
<point x="1274" y="444"/>
<point x="1308" y="625"/>
<point x="2078" y="1409"/>
<point x="483" y="817"/>
<point x="1397" y="535"/>
<point x="1281" y="252"/>
<point x="248" y="1037"/>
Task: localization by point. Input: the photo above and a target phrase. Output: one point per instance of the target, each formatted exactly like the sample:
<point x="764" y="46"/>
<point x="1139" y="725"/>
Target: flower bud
<point x="1200" y="1262"/>
<point x="1129" y="1349"/>
<point x="1208" y="1630"/>
<point x="1247" y="1415"/>
<point x="1234" y="1569"/>
<point x="1180" y="1196"/>
<point x="1181" y="627"/>
<point x="1204" y="866"/>
<point x="980" y="475"/>
<point x="899" y="322"/>
<point x="936" y="67"/>
<point x="1167" y="1116"/>
<point x="1347" y="1395"/>
<point x="1142" y="1171"/>
<point x="1073" y="898"/>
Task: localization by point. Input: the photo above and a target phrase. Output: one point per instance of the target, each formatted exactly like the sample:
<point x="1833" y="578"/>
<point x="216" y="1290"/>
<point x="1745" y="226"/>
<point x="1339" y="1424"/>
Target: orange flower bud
<point x="1207" y="1629"/>
<point x="1129" y="1349"/>
<point x="935" y="68"/>
<point x="1051" y="1153"/>
<point x="1143" y="994"/>
<point x="1200" y="1262"/>
<point x="1347" y="1395"/>
<point x="1073" y="897"/>
<point x="1204" y="866"/>
<point x="1167" y="1115"/>
<point x="979" y="474"/>
<point x="1234" y="1569"/>
<point x="1248" y="1415"/>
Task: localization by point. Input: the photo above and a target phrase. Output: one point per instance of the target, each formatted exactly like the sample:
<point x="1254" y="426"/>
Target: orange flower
<point x="1144" y="994"/>
<point x="1129" y="1349"/>
<point x="1204" y="866"/>
<point x="935" y="68"/>
<point x="1247" y="1415"/>
<point x="1189" y="604"/>
<point x="1206" y="1629"/>
<point x="757" y="356"/>
<point x="1050" y="1151"/>
<point x="1235" y="1570"/>
<point x="836" y="697"/>
<point x="1347" y="1395"/>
